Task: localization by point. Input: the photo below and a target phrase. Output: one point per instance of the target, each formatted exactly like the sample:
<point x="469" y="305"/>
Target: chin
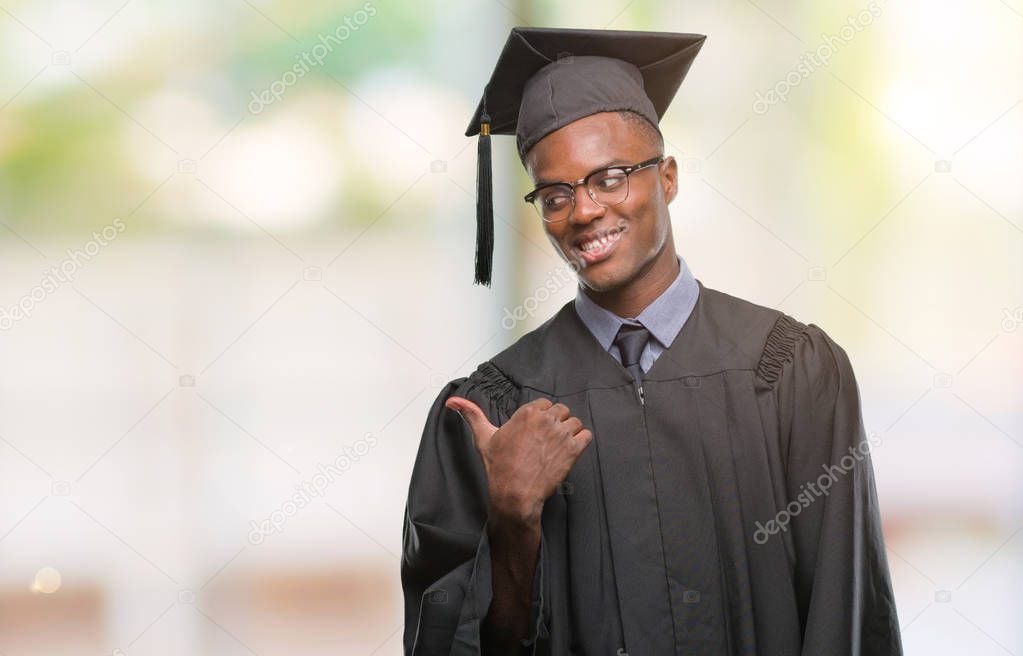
<point x="603" y="278"/>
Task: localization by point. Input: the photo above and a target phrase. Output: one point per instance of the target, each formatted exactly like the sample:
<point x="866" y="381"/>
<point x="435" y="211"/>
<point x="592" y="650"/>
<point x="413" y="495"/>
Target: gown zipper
<point x="657" y="502"/>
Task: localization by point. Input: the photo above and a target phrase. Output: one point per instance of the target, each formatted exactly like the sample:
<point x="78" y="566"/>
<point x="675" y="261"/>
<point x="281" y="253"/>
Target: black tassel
<point x="484" y="206"/>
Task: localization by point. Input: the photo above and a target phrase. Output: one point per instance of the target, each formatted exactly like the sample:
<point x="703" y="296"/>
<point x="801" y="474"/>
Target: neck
<point x="632" y="298"/>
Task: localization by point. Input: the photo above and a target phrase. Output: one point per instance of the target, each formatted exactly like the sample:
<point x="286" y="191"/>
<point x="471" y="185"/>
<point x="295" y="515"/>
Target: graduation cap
<point x="546" y="78"/>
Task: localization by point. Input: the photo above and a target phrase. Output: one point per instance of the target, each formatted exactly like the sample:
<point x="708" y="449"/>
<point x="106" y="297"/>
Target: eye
<point x="610" y="180"/>
<point x="555" y="198"/>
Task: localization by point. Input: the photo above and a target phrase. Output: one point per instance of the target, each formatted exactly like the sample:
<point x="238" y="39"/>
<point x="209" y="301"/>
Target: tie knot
<point x="630" y="341"/>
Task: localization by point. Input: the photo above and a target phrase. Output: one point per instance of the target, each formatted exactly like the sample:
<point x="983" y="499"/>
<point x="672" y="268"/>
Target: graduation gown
<point x="688" y="525"/>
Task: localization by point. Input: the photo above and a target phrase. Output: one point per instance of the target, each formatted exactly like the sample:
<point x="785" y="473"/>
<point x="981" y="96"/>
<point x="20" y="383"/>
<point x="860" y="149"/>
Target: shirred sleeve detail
<point x="498" y="389"/>
<point x="779" y="348"/>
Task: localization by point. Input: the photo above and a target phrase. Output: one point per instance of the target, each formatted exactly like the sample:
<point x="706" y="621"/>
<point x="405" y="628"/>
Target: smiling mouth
<point x="599" y="246"/>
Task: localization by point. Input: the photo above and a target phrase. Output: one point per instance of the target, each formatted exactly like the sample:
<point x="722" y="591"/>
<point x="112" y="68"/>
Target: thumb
<point x="481" y="428"/>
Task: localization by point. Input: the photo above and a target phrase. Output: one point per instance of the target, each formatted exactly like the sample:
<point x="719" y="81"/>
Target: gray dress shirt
<point x="664" y="317"/>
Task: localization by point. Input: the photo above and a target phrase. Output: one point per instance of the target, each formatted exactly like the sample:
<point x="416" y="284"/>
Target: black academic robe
<point x="734" y="512"/>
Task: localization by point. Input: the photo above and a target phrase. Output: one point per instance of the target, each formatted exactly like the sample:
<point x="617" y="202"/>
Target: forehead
<point x="590" y="142"/>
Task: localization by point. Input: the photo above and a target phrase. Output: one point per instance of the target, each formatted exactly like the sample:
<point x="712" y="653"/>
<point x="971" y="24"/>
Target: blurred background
<point x="236" y="246"/>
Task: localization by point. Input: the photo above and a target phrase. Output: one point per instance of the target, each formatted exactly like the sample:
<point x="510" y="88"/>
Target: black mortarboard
<point x="547" y="78"/>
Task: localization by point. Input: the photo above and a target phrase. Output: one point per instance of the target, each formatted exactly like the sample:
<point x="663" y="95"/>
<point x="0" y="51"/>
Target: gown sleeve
<point x="445" y="567"/>
<point x="841" y="578"/>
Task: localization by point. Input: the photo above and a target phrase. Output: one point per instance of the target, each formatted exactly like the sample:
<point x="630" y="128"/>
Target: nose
<point x="586" y="209"/>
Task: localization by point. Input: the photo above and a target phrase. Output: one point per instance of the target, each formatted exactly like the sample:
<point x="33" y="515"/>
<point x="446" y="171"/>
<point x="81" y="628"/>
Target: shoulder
<point x="491" y="389"/>
<point x="773" y="340"/>
<point x="805" y="354"/>
<point x="531" y="360"/>
<point x="757" y="337"/>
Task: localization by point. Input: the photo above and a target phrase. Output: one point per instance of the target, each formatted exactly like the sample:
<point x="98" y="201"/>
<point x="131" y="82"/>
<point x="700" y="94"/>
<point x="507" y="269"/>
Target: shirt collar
<point x="664" y="317"/>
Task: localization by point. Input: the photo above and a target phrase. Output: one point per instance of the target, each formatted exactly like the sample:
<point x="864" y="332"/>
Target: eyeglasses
<point x="555" y="201"/>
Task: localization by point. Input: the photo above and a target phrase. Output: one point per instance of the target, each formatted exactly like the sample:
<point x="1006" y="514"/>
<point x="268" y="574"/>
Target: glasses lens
<point x="554" y="203"/>
<point x="609" y="187"/>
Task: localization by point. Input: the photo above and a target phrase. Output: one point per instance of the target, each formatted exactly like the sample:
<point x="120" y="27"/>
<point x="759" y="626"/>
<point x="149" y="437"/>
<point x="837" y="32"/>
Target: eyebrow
<point x="614" y="162"/>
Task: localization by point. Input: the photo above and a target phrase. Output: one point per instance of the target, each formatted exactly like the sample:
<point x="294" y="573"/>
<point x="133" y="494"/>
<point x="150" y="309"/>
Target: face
<point x="638" y="230"/>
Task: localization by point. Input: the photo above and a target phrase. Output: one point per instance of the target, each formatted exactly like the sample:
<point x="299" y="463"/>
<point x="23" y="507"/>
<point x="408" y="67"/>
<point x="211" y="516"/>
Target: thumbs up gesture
<point x="528" y="457"/>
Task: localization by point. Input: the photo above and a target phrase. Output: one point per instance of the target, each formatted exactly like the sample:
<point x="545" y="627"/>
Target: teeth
<point x="600" y="242"/>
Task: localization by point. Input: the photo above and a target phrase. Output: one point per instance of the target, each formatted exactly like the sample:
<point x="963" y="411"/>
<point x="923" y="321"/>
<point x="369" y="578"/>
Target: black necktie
<point x="631" y="340"/>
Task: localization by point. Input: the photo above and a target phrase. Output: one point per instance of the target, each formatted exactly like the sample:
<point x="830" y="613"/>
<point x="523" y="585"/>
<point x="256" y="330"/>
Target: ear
<point x="669" y="179"/>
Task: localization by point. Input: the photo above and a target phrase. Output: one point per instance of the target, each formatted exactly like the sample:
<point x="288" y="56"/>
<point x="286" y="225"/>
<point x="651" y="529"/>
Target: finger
<point x="560" y="411"/>
<point x="541" y="403"/>
<point x="582" y="439"/>
<point x="573" y="425"/>
<point x="481" y="428"/>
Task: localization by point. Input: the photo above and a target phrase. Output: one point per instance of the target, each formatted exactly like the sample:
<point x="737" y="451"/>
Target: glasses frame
<point x="628" y="170"/>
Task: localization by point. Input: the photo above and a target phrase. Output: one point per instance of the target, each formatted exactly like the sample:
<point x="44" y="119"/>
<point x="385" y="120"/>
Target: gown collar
<point x="565" y="358"/>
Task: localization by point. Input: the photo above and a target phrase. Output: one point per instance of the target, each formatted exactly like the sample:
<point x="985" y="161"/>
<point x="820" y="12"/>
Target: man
<point x="660" y="468"/>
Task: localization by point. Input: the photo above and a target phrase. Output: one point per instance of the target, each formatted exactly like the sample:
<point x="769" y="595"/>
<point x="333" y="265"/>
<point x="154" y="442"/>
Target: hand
<point x="528" y="457"/>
